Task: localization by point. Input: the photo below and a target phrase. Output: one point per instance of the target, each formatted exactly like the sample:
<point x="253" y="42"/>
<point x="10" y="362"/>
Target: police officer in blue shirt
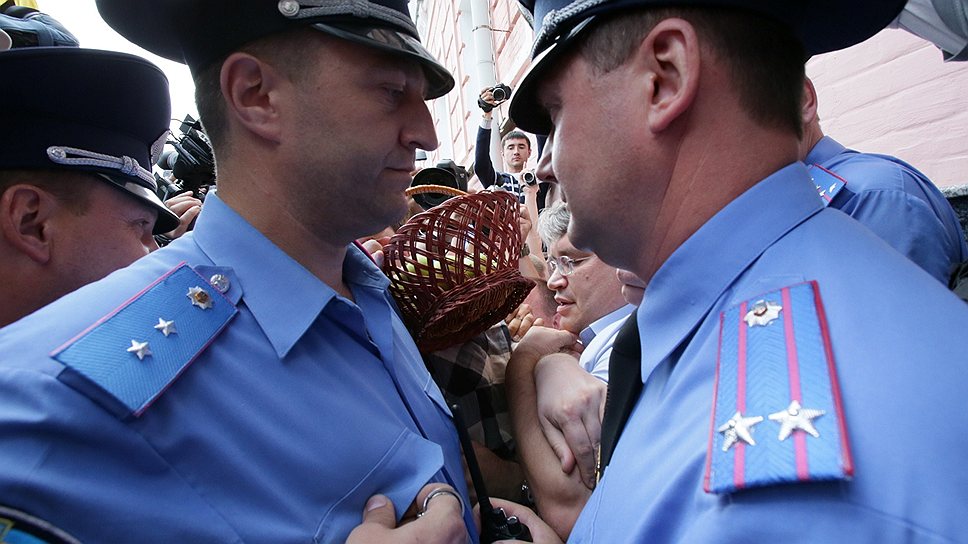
<point x="78" y="199"/>
<point x="800" y="380"/>
<point x="886" y="194"/>
<point x="251" y="382"/>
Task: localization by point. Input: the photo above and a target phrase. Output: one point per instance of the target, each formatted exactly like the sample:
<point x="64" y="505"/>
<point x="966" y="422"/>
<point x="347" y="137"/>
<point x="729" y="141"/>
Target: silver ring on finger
<point x="437" y="492"/>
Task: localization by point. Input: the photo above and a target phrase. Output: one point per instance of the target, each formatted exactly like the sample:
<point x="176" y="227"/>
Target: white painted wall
<point x="893" y="94"/>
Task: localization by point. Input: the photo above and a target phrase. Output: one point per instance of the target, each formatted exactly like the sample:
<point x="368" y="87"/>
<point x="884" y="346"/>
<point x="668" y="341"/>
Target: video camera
<point x="501" y="93"/>
<point x="191" y="163"/>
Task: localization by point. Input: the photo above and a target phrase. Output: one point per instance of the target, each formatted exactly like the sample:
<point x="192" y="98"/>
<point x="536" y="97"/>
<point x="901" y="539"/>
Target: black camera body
<point x="446" y="173"/>
<point x="192" y="163"/>
<point x="501" y="93"/>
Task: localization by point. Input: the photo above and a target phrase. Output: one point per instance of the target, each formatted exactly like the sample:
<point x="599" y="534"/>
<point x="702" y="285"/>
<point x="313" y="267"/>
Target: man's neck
<point x="692" y="199"/>
<point x="266" y="211"/>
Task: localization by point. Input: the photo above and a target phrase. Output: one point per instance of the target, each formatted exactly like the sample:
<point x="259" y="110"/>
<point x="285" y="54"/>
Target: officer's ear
<point x="248" y="86"/>
<point x="668" y="64"/>
<point x="808" y="111"/>
<point x="25" y="213"/>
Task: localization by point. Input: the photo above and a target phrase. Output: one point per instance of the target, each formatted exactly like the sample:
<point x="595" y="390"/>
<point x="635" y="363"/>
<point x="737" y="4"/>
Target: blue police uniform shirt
<point x="896" y="336"/>
<point x="897" y="202"/>
<point x="597" y="340"/>
<point x="299" y="406"/>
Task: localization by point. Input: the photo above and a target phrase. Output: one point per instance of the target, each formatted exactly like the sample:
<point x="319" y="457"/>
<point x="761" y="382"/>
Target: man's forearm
<point x="559" y="497"/>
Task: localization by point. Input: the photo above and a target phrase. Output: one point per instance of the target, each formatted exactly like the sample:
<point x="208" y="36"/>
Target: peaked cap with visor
<point x="85" y="110"/>
<point x="821" y="25"/>
<point x="201" y="32"/>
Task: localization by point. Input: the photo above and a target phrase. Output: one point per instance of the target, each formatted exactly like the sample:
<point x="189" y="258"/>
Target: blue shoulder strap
<point x="128" y="358"/>
<point x="777" y="412"/>
<point x="827" y="183"/>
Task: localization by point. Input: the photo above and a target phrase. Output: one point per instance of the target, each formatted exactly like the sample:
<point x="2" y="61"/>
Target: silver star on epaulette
<point x="140" y="349"/>
<point x="796" y="417"/>
<point x="738" y="428"/>
<point x="166" y="327"/>
<point x="763" y="313"/>
<point x="200" y="297"/>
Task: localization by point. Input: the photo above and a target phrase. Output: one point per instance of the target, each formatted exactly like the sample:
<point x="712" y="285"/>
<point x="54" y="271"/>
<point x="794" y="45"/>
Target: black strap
<point x="624" y="386"/>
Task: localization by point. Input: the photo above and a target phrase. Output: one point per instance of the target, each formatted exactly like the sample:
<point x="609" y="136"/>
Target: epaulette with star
<point x="777" y="410"/>
<point x="128" y="358"/>
<point x="827" y="183"/>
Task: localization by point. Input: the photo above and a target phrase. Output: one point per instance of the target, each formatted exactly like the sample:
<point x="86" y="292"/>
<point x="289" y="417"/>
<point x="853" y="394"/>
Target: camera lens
<point x="500" y="94"/>
<point x="528" y="178"/>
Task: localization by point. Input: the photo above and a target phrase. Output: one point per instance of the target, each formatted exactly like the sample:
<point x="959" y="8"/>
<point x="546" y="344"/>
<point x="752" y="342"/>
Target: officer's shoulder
<point x="777" y="415"/>
<point x="871" y="172"/>
<point x="141" y="333"/>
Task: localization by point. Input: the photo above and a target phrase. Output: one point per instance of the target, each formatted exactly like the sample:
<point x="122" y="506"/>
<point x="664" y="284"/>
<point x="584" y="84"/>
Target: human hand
<point x="521" y="320"/>
<point x="487" y="97"/>
<point x="541" y="341"/>
<point x="374" y="246"/>
<point x="186" y="207"/>
<point x="441" y="522"/>
<point x="570" y="405"/>
<point x="541" y="532"/>
<point x="524" y="221"/>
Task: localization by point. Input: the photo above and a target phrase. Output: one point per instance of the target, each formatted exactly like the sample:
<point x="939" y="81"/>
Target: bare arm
<point x="559" y="496"/>
<point x="531" y="237"/>
<point x="570" y="406"/>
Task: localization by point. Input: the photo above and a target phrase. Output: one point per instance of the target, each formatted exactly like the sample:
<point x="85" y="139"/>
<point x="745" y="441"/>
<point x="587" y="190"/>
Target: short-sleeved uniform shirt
<point x="277" y="426"/>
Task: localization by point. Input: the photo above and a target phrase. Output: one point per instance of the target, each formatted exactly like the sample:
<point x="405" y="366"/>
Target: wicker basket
<point x="454" y="269"/>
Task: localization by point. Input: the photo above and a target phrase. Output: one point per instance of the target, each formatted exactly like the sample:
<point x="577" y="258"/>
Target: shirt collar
<point x="284" y="297"/>
<point x="684" y="290"/>
<point x="824" y="150"/>
<point x="590" y="332"/>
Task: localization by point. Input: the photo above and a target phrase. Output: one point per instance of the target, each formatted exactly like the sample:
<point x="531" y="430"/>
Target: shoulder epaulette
<point x="127" y="359"/>
<point x="777" y="411"/>
<point x="827" y="183"/>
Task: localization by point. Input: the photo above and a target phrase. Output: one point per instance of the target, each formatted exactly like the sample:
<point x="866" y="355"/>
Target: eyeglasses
<point x="564" y="265"/>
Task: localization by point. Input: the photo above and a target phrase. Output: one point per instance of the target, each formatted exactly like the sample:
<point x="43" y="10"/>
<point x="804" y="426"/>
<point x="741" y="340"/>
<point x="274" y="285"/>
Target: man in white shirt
<point x="563" y="395"/>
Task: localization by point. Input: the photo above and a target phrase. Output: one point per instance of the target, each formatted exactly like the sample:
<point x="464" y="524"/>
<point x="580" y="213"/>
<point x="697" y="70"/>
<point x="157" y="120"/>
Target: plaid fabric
<point x="471" y="375"/>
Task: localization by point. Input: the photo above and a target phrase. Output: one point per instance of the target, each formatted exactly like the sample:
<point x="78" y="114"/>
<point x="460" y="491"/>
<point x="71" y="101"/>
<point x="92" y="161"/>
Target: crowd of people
<point x="741" y="330"/>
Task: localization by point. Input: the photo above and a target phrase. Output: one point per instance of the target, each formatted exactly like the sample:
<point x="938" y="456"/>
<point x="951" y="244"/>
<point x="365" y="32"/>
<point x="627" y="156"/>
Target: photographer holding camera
<point x="515" y="148"/>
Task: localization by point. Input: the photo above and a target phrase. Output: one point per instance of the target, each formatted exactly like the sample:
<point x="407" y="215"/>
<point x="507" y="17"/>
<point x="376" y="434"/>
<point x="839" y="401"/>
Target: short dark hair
<point x="516" y="135"/>
<point x="285" y="50"/>
<point x="765" y="58"/>
<point x="73" y="193"/>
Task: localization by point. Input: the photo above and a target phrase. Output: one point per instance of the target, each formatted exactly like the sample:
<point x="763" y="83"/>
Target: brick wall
<point x="446" y="28"/>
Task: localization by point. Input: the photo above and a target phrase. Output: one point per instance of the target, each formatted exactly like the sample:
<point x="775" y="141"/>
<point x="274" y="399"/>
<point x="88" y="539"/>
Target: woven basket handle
<point x="442" y="189"/>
